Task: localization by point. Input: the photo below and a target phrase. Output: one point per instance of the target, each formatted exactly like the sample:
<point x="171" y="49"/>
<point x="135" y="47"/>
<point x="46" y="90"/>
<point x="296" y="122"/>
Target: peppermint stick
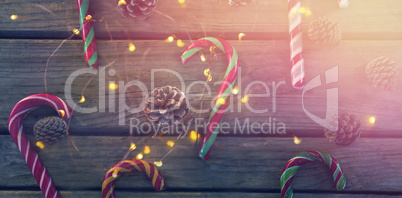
<point x="126" y="166"/>
<point x="293" y="165"/>
<point x="16" y="130"/>
<point x="296" y="44"/>
<point x="224" y="91"/>
<point x="88" y="34"/>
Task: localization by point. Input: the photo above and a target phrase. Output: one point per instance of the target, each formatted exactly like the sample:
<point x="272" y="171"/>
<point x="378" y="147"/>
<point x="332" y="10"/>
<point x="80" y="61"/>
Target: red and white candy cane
<point x="296" y="43"/>
<point x="293" y="165"/>
<point x="224" y="91"/>
<point x="16" y="130"/>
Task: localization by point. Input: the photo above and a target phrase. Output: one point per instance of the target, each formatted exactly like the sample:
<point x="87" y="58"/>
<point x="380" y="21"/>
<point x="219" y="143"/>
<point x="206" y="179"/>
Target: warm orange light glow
<point x="303" y="10"/>
<point x="121" y="2"/>
<point x="82" y="99"/>
<point x="133" y="146"/>
<point x="113" y="86"/>
<point x="169" y="39"/>
<point x="170" y="143"/>
<point x="372" y="120"/>
<point x="158" y="164"/>
<point x="203" y="58"/>
<point x="62" y="113"/>
<point x="241" y="35"/>
<point x="206" y="72"/>
<point x="245" y="99"/>
<point x="76" y="31"/>
<point x="194" y="135"/>
<point x="88" y="17"/>
<point x="209" y="78"/>
<point x="40" y="145"/>
<point x="235" y="90"/>
<point x="181" y="1"/>
<point x="147" y="150"/>
<point x="14" y="17"/>
<point x="180" y="43"/>
<point x="131" y="47"/>
<point x="139" y="156"/>
<point x="221" y="101"/>
<point x="115" y="172"/>
<point x="296" y="140"/>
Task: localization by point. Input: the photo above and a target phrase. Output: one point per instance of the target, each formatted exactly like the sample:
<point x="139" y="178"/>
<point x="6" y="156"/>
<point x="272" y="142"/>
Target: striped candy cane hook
<point x="88" y="33"/>
<point x="16" y="131"/>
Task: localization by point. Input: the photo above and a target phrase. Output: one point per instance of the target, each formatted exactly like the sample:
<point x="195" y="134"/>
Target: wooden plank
<point x="22" y="65"/>
<point x="379" y="19"/>
<point x="78" y="194"/>
<point x="241" y="164"/>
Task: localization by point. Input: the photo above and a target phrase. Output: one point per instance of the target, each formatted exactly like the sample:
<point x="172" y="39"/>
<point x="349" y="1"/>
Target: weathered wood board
<point x="261" y="62"/>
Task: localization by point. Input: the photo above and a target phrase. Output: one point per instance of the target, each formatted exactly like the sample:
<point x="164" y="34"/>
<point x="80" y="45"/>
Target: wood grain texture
<point x="23" y="63"/>
<point x="364" y="19"/>
<point x="79" y="194"/>
<point x="245" y="164"/>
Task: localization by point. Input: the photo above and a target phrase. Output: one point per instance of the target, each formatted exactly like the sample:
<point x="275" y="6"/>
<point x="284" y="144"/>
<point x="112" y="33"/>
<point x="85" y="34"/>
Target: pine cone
<point x="137" y="9"/>
<point x="382" y="72"/>
<point x="50" y="130"/>
<point x="239" y="2"/>
<point x="166" y="105"/>
<point x="349" y="129"/>
<point x="325" y="31"/>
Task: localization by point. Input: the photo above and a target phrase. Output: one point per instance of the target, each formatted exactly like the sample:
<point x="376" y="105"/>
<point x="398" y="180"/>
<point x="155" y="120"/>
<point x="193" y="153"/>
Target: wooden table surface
<point x="241" y="164"/>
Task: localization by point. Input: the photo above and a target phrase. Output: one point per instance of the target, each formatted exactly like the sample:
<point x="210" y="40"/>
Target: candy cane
<point x="224" y="91"/>
<point x="88" y="34"/>
<point x="16" y="130"/>
<point x="123" y="167"/>
<point x="296" y="43"/>
<point x="293" y="164"/>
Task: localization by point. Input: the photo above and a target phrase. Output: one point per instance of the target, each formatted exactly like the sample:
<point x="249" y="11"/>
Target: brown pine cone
<point x="349" y="129"/>
<point x="325" y="31"/>
<point x="239" y="2"/>
<point x="50" y="130"/>
<point x="382" y="72"/>
<point x="166" y="105"/>
<point x="137" y="9"/>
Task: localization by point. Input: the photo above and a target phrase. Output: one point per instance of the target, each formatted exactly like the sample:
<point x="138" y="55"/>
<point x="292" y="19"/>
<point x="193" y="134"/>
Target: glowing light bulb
<point x="296" y="140"/>
<point x="133" y="146"/>
<point x="139" y="156"/>
<point x="180" y="43"/>
<point x="76" y="31"/>
<point x="61" y="112"/>
<point x="147" y="150"/>
<point x="245" y="99"/>
<point x="115" y="173"/>
<point x="194" y="135"/>
<point x="209" y="78"/>
<point x="113" y="86"/>
<point x="82" y="99"/>
<point x="372" y="120"/>
<point x="203" y="58"/>
<point x="14" y="17"/>
<point x="169" y="39"/>
<point x="303" y="10"/>
<point x="241" y="35"/>
<point x="158" y="164"/>
<point x="131" y="47"/>
<point x="170" y="143"/>
<point x="88" y="17"/>
<point x="40" y="145"/>
<point x="221" y="101"/>
<point x="181" y="1"/>
<point x="308" y="12"/>
<point x="121" y="2"/>
<point x="235" y="90"/>
<point x="206" y="72"/>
